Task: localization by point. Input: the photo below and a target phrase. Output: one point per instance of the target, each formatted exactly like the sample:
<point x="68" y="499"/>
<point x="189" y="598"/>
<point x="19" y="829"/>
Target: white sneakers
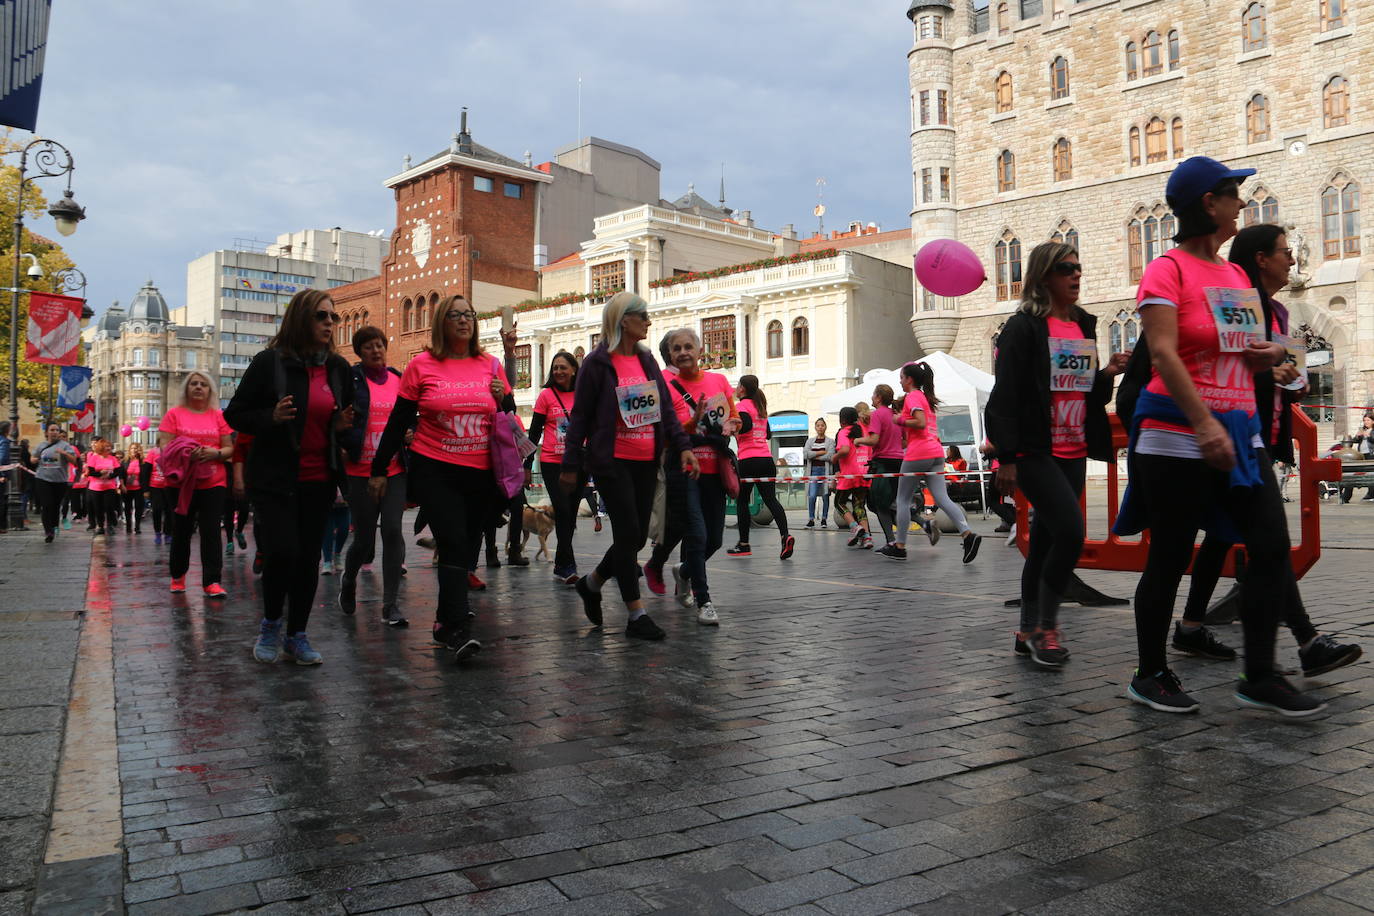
<point x="706" y="615"/>
<point x="682" y="587"/>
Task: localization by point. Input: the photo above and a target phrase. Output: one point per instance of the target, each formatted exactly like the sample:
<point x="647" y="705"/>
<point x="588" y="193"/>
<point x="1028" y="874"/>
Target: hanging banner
<point x="74" y="387"/>
<point x="23" y="41"/>
<point x="84" y="421"/>
<point x="54" y="333"/>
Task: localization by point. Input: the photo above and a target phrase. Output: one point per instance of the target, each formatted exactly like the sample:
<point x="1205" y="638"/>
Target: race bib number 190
<point x="1238" y="316"/>
<point x="639" y="404"/>
<point x="1073" y="364"/>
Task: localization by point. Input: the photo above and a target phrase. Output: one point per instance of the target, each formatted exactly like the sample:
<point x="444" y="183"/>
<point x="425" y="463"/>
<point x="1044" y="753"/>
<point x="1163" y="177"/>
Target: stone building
<point x="140" y="360"/>
<point x="1033" y="119"/>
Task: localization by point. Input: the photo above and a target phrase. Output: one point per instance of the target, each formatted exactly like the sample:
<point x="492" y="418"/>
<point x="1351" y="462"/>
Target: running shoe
<point x="516" y="558"/>
<point x="1201" y="642"/>
<point x="157" y="540"/>
<point x="1324" y="654"/>
<point x="392" y="617"/>
<point x="268" y="647"/>
<point x="327" y="568"/>
<point x="682" y="587"/>
<point x="47" y="538"/>
<point x="567" y="575"/>
<point x="426" y="542"/>
<point x="215" y="590"/>
<point x="811" y="523"/>
<point x="1019" y="645"/>
<point x="179" y="585"/>
<point x="893" y="552"/>
<point x="1046" y="650"/>
<point x="474" y="583"/>
<point x="591" y="601"/>
<point x="242" y="541"/>
<point x="442" y="637"/>
<point x="822" y="523"/>
<point x="466" y="650"/>
<point x="642" y="627"/>
<point x="855" y="538"/>
<point x="1160" y="691"/>
<point x="493" y="560"/>
<point x="654" y="579"/>
<point x="229" y="548"/>
<point x="971" y="545"/>
<point x="740" y="550"/>
<point x="348" y="597"/>
<point x="298" y="647"/>
<point x="789" y="544"/>
<point x="706" y="615"/>
<point x="596" y="526"/>
<point x="932" y="530"/>
<point x="1002" y="528"/>
<point x="868" y="542"/>
<point x="1275" y="694"/>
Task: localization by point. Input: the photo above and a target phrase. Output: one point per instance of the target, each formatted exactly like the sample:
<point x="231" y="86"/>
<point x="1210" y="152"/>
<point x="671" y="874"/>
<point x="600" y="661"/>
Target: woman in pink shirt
<point x="196" y="417"/>
<point x="133" y="474"/>
<point x="756" y="460"/>
<point x="102" y="479"/>
<point x="549" y="430"/>
<point x="851" y="490"/>
<point x="885" y="440"/>
<point x="449" y="393"/>
<point x="159" y="507"/>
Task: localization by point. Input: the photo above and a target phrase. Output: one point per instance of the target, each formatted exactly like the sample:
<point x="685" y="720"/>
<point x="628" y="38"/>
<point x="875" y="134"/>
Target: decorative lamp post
<point x="49" y="159"/>
<point x="66" y="280"/>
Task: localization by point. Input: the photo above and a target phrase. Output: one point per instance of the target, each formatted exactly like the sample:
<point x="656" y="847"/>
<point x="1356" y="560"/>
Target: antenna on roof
<point x="579" y="108"/>
<point x="820" y="206"/>
<point x="722" y="185"/>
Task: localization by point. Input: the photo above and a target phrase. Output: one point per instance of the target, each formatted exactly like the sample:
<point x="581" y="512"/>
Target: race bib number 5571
<point x="1238" y="316"/>
<point x="639" y="404"/>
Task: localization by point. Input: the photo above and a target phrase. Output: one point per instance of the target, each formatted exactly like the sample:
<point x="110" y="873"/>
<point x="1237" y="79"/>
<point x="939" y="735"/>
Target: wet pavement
<point x="856" y="737"/>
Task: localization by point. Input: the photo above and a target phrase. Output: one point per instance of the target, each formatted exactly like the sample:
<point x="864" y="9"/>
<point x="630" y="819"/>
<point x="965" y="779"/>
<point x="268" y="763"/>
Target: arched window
<point x="1151" y="238"/>
<point x="1332" y="14"/>
<point x="1156" y="141"/>
<point x="1149" y="234"/>
<point x="1123" y="332"/>
<point x="1341" y="219"/>
<point x="1257" y="119"/>
<point x="1253" y="33"/>
<point x="774" y="336"/>
<point x="1173" y="50"/>
<point x="1059" y="78"/>
<point x="1135" y="249"/>
<point x="801" y="337"/>
<point x="1006" y="171"/>
<point x="1135" y="146"/>
<point x="1063" y="159"/>
<point x="1336" y="102"/>
<point x="1153" y="50"/>
<point x="1002" y="89"/>
<point x="1003" y="19"/>
<point x="1132" y="61"/>
<point x="1065" y="233"/>
<point x="1176" y="130"/>
<point x="1007" y="258"/>
<point x="1263" y="207"/>
<point x="1168" y="228"/>
<point x="407" y="316"/>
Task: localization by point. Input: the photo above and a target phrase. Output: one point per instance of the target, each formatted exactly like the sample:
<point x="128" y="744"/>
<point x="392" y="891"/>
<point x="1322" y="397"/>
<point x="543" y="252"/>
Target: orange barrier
<point x="1130" y="555"/>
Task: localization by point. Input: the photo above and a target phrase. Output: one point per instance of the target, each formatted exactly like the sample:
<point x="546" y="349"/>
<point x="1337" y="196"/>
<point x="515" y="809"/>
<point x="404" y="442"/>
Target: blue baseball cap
<point x="1194" y="177"/>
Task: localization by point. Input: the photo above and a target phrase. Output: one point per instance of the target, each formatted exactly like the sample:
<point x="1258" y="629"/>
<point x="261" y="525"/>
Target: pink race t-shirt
<point x="95" y="464"/>
<point x="455" y="407"/>
<point x="131" y="480"/>
<point x="633" y="443"/>
<point x="1068" y="409"/>
<point x="319" y="409"/>
<point x="205" y="428"/>
<point x="381" y="398"/>
<point x="865" y="451"/>
<point x="1223" y="381"/>
<point x="717" y="394"/>
<point x="156" y="481"/>
<point x="889" y="445"/>
<point x="852" y="463"/>
<point x="921" y="444"/>
<point x="556" y="407"/>
<point x="753" y="444"/>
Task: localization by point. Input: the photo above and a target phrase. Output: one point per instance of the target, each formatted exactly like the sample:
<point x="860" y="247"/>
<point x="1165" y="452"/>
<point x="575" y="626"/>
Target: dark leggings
<point x="1053" y="486"/>
<point x="50" y="495"/>
<point x="289" y="532"/>
<point x="882" y="494"/>
<point x="335" y="531"/>
<point x="564" y="512"/>
<point x="1184" y="491"/>
<point x="367" y="512"/>
<point x="133" y="509"/>
<point x="205" y="510"/>
<point x="629" y="498"/>
<point x="758" y="467"/>
<point x="858" y="496"/>
<point x="455" y="501"/>
<point x="1211" y="556"/>
<point x="234" y="507"/>
<point x="160" y="510"/>
<point x="105" y="509"/>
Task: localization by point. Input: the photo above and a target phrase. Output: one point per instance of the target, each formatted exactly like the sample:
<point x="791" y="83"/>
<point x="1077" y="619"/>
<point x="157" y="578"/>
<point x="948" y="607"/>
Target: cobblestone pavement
<point x="857" y="737"/>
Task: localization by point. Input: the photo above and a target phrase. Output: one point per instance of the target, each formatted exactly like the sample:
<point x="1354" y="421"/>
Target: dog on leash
<point x="538" y="521"/>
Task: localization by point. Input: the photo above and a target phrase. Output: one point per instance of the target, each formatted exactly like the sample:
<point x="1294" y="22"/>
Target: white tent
<point x="957" y="384"/>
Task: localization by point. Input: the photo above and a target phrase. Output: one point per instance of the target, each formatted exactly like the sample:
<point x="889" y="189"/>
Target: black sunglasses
<point x="323" y="315"/>
<point x="1068" y="268"/>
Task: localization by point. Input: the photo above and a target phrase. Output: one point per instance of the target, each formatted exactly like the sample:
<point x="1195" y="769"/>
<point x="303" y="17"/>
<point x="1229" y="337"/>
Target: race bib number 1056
<point x="639" y="404"/>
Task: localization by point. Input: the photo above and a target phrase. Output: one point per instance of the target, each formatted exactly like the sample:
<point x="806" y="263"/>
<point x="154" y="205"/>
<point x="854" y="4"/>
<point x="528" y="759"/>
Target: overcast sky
<point x="194" y="124"/>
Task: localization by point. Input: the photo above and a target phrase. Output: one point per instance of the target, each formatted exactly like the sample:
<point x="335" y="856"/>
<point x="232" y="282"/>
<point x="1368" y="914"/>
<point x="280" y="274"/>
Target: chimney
<point x="788" y="231"/>
<point x="746" y="218"/>
<point x="464" y="138"/>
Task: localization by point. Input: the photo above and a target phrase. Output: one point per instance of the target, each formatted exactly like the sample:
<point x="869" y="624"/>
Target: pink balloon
<point x="126" y="430"/>
<point x="144" y="423"/>
<point x="949" y="268"/>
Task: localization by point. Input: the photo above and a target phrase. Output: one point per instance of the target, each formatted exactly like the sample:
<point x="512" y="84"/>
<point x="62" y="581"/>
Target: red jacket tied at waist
<point x="181" y="470"/>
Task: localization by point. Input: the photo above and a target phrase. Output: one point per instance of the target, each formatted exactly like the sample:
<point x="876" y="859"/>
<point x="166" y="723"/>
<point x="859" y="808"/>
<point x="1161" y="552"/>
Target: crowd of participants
<point x="311" y="448"/>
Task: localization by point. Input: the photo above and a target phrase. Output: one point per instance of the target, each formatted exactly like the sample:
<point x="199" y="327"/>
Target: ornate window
<point x="1002" y="89"/>
<point x="1123" y="332"/>
<point x="1059" y="78"/>
<point x="1153" y="50"/>
<point x="1156" y="141"/>
<point x="1253" y="32"/>
<point x="944" y="183"/>
<point x="1135" y="145"/>
<point x="1063" y="159"/>
<point x="774" y="339"/>
<point x="1149" y="234"/>
<point x="1065" y="233"/>
<point x="1173" y="50"/>
<point x="718" y="335"/>
<point x="1257" y="119"/>
<point x="941" y="106"/>
<point x="1336" y="102"/>
<point x="1132" y="61"/>
<point x="801" y="337"/>
<point x="925" y="107"/>
<point x="1006" y="171"/>
<point x="1007" y="259"/>
<point x="523" y="356"/>
<point x="1332" y="14"/>
<point x="1176" y="131"/>
<point x="931" y="26"/>
<point x="1341" y="219"/>
<point x="608" y="277"/>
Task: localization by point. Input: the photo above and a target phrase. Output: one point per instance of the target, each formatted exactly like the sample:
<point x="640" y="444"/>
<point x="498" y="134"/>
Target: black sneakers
<point x="642" y="627"/>
<point x="1160" y="691"/>
<point x="971" y="544"/>
<point x="392" y="617"/>
<point x="1273" y="693"/>
<point x="466" y="650"/>
<point x="1324" y="654"/>
<point x="348" y="597"/>
<point x="893" y="552"/>
<point x="740" y="550"/>
<point x="1047" y="650"/>
<point x="1202" y="643"/>
<point x="591" y="601"/>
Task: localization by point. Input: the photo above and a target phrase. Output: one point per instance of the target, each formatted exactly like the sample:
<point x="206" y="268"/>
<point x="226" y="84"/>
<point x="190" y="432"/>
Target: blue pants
<point x="817" y="489"/>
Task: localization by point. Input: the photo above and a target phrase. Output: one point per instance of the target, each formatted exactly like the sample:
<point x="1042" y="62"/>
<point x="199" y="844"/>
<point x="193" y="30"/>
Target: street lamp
<point x="66" y="280"/>
<point x="50" y="159"/>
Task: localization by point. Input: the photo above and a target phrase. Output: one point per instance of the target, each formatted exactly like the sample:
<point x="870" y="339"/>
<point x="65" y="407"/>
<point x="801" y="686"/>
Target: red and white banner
<point x="54" y="333"/>
<point x="84" y="421"/>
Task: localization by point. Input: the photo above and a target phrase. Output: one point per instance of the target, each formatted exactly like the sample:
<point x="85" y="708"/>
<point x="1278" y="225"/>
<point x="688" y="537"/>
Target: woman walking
<point x="134" y="475"/>
<point x="756" y="460"/>
<point x="453" y="388"/>
<point x="54" y="460"/>
<point x="102" y="479"/>
<point x="210" y="441"/>
<point x="1046" y="416"/>
<point x="549" y="430"/>
<point x="376" y="386"/>
<point x="294" y="400"/>
<point x="1197" y="458"/>
<point x="159" y="507"/>
<point x="851" y="490"/>
<point x="818" y="457"/>
<point x="618" y="431"/>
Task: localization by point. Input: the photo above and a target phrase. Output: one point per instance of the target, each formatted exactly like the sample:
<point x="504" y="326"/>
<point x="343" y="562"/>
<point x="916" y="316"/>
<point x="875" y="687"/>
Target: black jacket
<point x="351" y="439"/>
<point x="274" y="460"/>
<point x="591" y="428"/>
<point x="1018" y="411"/>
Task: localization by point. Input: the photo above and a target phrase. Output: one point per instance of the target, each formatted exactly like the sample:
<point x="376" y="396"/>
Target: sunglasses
<point x="461" y="316"/>
<point x="1068" y="268"/>
<point x="323" y="315"/>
